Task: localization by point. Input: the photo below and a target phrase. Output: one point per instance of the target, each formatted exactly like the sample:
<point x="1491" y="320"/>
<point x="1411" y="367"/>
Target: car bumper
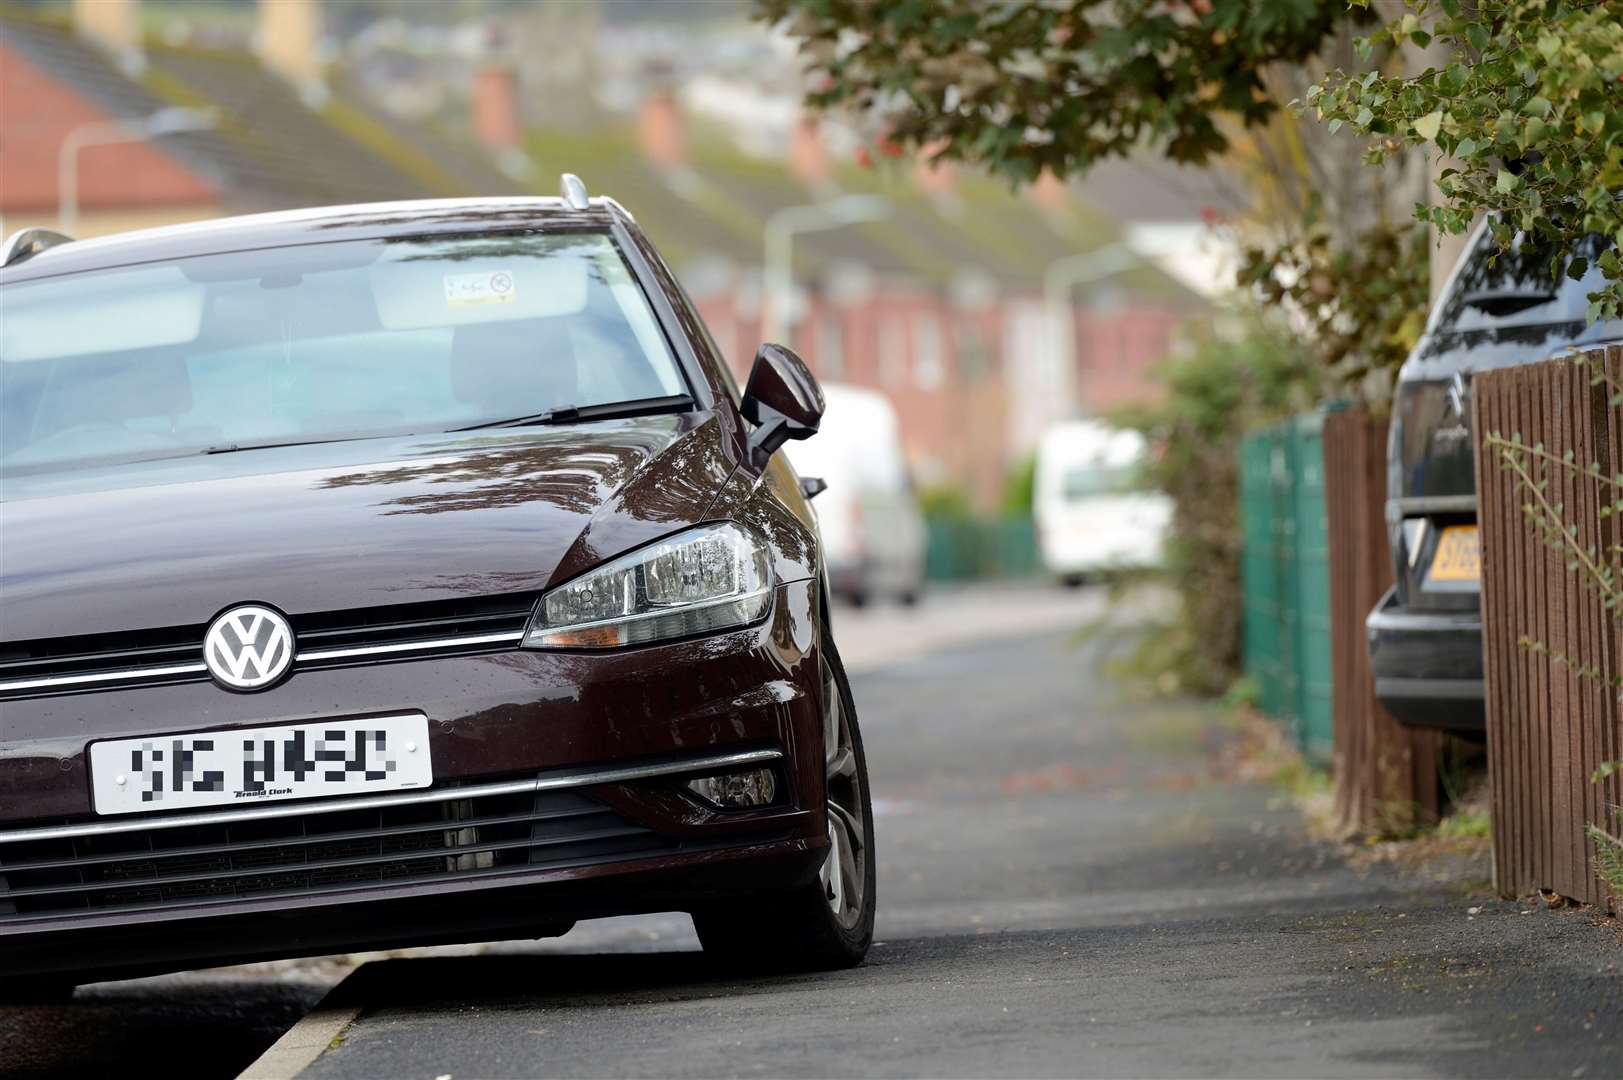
<point x="572" y="726"/>
<point x="1427" y="665"/>
<point x="523" y="905"/>
<point x="860" y="579"/>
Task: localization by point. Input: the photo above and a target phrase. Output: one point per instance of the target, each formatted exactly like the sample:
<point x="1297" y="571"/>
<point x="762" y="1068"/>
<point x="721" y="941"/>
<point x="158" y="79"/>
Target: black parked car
<point x="1425" y="636"/>
<point x="400" y="574"/>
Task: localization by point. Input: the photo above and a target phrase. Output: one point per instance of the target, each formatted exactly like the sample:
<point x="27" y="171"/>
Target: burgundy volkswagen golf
<point x="404" y="574"/>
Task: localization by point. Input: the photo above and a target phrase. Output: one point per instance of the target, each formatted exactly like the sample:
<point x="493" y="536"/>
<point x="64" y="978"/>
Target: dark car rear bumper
<point x="1427" y="665"/>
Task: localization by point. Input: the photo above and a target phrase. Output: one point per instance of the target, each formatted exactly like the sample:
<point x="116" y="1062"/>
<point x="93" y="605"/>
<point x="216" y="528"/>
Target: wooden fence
<point x="1385" y="774"/>
<point x="1548" y="728"/>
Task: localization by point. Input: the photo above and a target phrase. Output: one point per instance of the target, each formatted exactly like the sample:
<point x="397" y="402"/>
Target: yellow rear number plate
<point x="1458" y="558"/>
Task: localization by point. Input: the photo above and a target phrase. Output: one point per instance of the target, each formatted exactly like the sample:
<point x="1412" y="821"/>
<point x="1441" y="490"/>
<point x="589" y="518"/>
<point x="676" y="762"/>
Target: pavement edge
<point x="305" y="1041"/>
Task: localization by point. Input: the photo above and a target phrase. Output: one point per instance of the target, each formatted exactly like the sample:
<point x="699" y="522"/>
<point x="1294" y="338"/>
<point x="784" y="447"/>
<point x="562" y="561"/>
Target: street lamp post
<point x="780" y="232"/>
<point x="1059" y="279"/>
<point x="170" y="121"/>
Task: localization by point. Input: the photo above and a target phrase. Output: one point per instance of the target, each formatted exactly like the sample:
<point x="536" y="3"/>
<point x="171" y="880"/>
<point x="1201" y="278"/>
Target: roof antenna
<point x="573" y="192"/>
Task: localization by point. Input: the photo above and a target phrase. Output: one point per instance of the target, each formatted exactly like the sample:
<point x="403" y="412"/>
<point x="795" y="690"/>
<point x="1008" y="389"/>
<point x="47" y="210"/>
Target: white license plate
<point x="256" y="765"/>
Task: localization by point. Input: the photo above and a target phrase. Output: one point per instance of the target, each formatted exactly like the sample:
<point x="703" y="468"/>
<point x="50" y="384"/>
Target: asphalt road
<point x="1070" y="884"/>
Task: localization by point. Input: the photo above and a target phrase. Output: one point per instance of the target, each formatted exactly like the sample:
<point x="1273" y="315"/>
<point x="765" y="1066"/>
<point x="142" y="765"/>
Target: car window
<point x="321" y="341"/>
<point x="1514" y="288"/>
<point x="1087" y="481"/>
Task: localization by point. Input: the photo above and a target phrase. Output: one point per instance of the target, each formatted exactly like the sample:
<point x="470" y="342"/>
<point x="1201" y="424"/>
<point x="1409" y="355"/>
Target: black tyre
<point x="35" y="990"/>
<point x="828" y="923"/>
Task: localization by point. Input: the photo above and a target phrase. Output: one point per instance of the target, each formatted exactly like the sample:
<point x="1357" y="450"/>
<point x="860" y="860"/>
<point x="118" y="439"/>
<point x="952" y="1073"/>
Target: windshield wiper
<point x="574" y="414"/>
<point x="233" y="448"/>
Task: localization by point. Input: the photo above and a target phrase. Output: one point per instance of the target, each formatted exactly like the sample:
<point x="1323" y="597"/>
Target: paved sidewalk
<point x="1069" y="885"/>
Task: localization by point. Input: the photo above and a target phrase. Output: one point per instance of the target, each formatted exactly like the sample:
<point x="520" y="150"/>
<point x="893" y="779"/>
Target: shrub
<point x="1020" y="488"/>
<point x="1241" y="372"/>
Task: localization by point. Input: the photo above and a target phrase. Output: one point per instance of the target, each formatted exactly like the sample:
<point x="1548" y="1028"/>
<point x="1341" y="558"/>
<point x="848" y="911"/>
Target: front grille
<point x="325" y="639"/>
<point x="457" y="837"/>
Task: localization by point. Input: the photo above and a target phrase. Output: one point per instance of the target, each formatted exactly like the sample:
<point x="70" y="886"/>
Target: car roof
<point x="287" y="228"/>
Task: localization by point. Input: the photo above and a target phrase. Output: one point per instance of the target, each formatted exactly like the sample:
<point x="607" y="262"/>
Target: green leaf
<point x="1428" y="126"/>
<point x="1364" y="117"/>
<point x="1549" y="45"/>
<point x="1466" y="147"/>
<point x="1505" y="182"/>
<point x="1477" y="35"/>
<point x="1335" y="125"/>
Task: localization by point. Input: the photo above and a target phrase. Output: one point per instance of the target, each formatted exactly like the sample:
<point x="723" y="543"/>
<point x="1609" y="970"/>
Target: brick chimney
<point x="933" y="177"/>
<point x="495" y="108"/>
<point x="287" y="41"/>
<point x="113" y="25"/>
<point x="659" y="130"/>
<point x="808" y="153"/>
<point x="1050" y="192"/>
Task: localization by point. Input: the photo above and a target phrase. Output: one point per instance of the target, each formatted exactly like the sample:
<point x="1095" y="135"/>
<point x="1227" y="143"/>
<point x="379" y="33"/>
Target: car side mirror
<point x="782" y="399"/>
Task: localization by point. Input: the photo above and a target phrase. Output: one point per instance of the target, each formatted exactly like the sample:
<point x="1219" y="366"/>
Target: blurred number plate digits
<point x="1458" y="557"/>
<point x="246" y="766"/>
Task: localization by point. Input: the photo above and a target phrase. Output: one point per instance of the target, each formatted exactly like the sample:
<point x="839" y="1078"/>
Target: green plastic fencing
<point x="1285" y="569"/>
<point x="960" y="549"/>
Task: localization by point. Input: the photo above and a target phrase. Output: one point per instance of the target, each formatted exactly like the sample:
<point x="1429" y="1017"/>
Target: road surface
<point x="1071" y="884"/>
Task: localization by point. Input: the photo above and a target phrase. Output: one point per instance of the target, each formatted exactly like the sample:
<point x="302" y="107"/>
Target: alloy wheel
<point x="843" y="874"/>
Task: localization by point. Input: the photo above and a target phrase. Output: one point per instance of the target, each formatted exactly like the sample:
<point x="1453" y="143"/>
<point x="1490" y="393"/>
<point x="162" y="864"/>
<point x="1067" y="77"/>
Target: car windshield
<point x="1089" y="481"/>
<point x="1514" y="288"/>
<point x="321" y="341"/>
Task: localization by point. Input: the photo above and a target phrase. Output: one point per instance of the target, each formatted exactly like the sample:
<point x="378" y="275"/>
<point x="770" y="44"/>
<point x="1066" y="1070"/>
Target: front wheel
<point x="827" y="923"/>
<point x="35" y="990"/>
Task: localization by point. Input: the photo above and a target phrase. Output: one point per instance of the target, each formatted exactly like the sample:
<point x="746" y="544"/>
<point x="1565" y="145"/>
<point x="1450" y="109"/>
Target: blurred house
<point x="1174" y="214"/>
<point x="940" y="305"/>
<point x="283" y="137"/>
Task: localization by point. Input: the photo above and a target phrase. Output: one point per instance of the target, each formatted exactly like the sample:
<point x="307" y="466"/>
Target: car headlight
<point x="714" y="577"/>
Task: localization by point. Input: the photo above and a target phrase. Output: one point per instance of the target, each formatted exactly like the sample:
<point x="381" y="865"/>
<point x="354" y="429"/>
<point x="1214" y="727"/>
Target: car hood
<point x="345" y="525"/>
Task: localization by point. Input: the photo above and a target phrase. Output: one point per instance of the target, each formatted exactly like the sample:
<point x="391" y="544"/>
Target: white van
<point x="873" y="532"/>
<point x="1091" y="516"/>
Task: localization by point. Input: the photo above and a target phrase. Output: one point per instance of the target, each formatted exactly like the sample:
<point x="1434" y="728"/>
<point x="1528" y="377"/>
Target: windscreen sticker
<point x="470" y="290"/>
